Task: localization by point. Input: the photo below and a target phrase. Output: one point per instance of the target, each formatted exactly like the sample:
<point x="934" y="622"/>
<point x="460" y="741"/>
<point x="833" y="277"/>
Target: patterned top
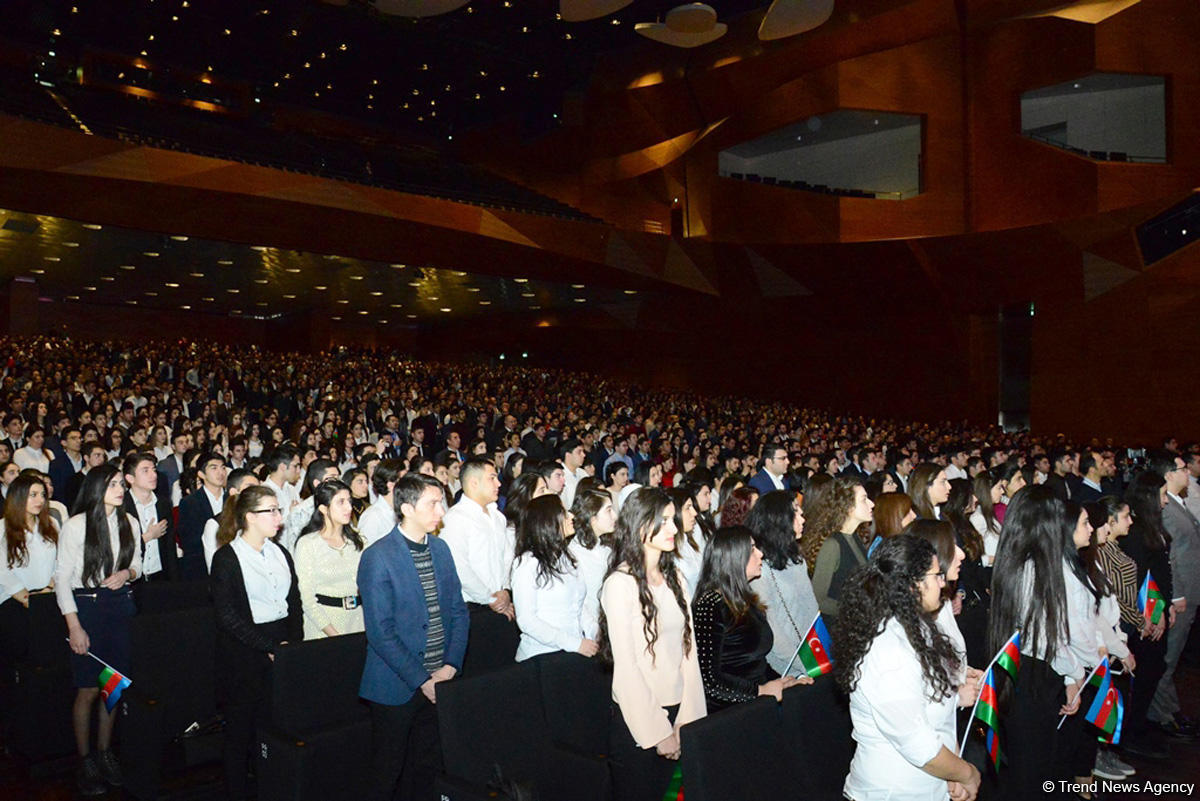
<point x="435" y="638"/>
<point x="1122" y="571"/>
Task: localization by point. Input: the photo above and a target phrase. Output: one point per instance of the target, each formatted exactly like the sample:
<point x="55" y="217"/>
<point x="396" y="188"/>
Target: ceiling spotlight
<point x="128" y="267"/>
<point x="225" y="262"/>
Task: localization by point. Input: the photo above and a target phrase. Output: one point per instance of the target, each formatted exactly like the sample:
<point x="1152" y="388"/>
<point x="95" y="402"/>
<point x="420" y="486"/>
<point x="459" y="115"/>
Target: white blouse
<point x="897" y="728"/>
<point x="689" y="560"/>
<point x="550" y="614"/>
<point x="68" y="570"/>
<point x="322" y="569"/>
<point x="35" y="573"/>
<point x="267" y="578"/>
<point x="592" y="564"/>
<point x="208" y="539"/>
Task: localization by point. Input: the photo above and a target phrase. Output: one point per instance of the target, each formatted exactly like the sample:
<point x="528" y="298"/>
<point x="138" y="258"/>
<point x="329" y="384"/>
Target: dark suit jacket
<point x="762" y="482"/>
<point x="1059" y="487"/>
<point x="61" y="472"/>
<point x="194" y="512"/>
<point x="242" y="648"/>
<point x="166" y="543"/>
<point x="397" y="618"/>
<point x="853" y="471"/>
<point x="1085" y="494"/>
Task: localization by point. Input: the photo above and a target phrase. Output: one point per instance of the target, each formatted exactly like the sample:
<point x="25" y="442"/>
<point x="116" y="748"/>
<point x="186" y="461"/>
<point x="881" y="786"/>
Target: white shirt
<point x="990" y="535"/>
<point x="209" y="540"/>
<point x="68" y="570"/>
<point x="27" y="457"/>
<point x="376" y="521"/>
<point x="897" y="728"/>
<point x="953" y="472"/>
<point x="570" y="484"/>
<point x="1080" y="653"/>
<point x="482" y="548"/>
<point x="592" y="565"/>
<point x="34" y="573"/>
<point x="550" y="614"/>
<point x="217" y="502"/>
<point x="147" y="516"/>
<point x="776" y="480"/>
<point x="689" y="560"/>
<point x="293" y="522"/>
<point x="267" y="578"/>
<point x="283" y="495"/>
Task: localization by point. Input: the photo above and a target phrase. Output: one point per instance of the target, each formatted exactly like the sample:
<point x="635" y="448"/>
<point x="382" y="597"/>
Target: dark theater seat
<point x="316" y="743"/>
<point x="739" y="753"/>
<point x="38" y="689"/>
<point x="816" y="724"/>
<point x="498" y="720"/>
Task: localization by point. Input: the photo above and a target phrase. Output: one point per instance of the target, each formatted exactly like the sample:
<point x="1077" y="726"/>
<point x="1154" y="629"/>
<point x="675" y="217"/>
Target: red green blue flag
<point x="1107" y="711"/>
<point x="987" y="711"/>
<point x="111" y="684"/>
<point x="675" y="788"/>
<point x="816" y="652"/>
<point x="1009" y="657"/>
<point x="1150" y="600"/>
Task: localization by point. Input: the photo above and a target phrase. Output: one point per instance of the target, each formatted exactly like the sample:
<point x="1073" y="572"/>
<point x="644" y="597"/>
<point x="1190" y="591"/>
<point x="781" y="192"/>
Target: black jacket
<point x="166" y="543"/>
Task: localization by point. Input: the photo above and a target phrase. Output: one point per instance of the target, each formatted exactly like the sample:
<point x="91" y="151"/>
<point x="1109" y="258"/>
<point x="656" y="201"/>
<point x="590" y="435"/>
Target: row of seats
<point x="771" y="180"/>
<point x="542" y="723"/>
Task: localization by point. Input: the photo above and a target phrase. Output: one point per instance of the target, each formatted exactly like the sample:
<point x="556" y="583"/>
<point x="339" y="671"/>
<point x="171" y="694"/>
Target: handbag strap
<point x="783" y="603"/>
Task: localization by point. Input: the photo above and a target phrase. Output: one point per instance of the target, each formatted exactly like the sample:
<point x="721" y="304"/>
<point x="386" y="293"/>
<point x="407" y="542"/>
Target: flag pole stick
<point x="979" y="695"/>
<point x="787" y="670"/>
<point x="98" y="659"/>
<point x="1086" y="679"/>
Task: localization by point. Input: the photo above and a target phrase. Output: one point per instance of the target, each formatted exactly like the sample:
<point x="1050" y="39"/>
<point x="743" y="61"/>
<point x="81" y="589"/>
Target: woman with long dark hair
<point x="690" y="541"/>
<point x="1039" y="586"/>
<point x="900" y="668"/>
<point x="972" y="579"/>
<point x="327" y="551"/>
<point x="845" y="511"/>
<point x="547" y="591"/>
<point x="988" y="489"/>
<point x="98" y="558"/>
<point x="1149" y="546"/>
<point x="27" y="567"/>
<point x="595" y="519"/>
<point x="929" y="487"/>
<point x="733" y="637"/>
<point x="256" y="599"/>
<point x="646" y="630"/>
<point x="777" y="522"/>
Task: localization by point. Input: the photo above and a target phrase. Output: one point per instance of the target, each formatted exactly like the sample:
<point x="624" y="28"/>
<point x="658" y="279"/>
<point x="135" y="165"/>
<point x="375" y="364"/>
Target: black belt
<point x="348" y="602"/>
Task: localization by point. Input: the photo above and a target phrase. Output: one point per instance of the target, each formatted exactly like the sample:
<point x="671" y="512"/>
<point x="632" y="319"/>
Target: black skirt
<point x="104" y="615"/>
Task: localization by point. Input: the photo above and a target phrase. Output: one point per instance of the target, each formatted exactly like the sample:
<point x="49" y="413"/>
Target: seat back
<point x="47" y="633"/>
<point x="816" y="721"/>
<point x="314" y="684"/>
<point x="172" y="660"/>
<point x="493" y="719"/>
<point x="738" y="752"/>
<point x="577" y="699"/>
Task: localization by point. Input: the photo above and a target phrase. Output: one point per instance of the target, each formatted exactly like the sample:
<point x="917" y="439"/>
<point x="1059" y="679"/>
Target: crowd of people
<point x="468" y="516"/>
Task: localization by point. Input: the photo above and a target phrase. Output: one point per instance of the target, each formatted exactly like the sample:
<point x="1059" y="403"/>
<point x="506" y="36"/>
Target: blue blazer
<point x="397" y="619"/>
<point x="762" y="482"/>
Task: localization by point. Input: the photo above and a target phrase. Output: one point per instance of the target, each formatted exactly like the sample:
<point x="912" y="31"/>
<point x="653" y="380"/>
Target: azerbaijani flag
<point x="1108" y="709"/>
<point x="111" y="684"/>
<point x="1150" y="600"/>
<point x="675" y="788"/>
<point x="1009" y="657"/>
<point x="987" y="711"/>
<point x="816" y="652"/>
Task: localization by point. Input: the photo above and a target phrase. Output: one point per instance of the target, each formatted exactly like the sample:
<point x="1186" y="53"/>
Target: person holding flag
<point x="1040" y="588"/>
<point x="1149" y="546"/>
<point x="900" y="668"/>
<point x="98" y="558"/>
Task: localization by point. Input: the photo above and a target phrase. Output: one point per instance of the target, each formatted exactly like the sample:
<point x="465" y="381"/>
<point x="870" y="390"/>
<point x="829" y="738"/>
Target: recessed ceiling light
<point x="152" y="254"/>
<point x="261" y="281"/>
<point x="445" y="308"/>
<point x="356" y="278"/>
<point x="293" y="269"/>
<point x="397" y="305"/>
<point x="52" y="258"/>
<point x="131" y="302"/>
<point x="180" y="238"/>
<point x="71" y="244"/>
<point x="152" y="294"/>
<point x="521" y="280"/>
<point x="414" y="283"/>
<point x="474" y="289"/>
<point x="108" y="278"/>
<point x="377" y="294"/>
<point x="581" y="300"/>
<point x="289" y="297"/>
<point x="433" y="297"/>
<point x="336" y="318"/>
<point x="576" y="286"/>
<point x="38" y="272"/>
<point x="535" y="306"/>
<point x="235" y="311"/>
<point x="233" y="291"/>
<point x="383" y="322"/>
<point x="208" y="300"/>
<point x="630" y="291"/>
<point x="259" y="248"/>
<point x="185" y="307"/>
<point x="92" y="226"/>
<point x="398" y="266"/>
<point x="72" y="297"/>
<point x="412" y="316"/>
<point x="225" y="262"/>
<point x="527" y="294"/>
<point x="196" y="275"/>
<point x="90" y="288"/>
<point x="485" y="303"/>
<point x="261" y="303"/>
<point x="343" y="300"/>
<point x="128" y="267"/>
<point x="363" y="311"/>
<point x="320" y="288"/>
<point x="172" y="285"/>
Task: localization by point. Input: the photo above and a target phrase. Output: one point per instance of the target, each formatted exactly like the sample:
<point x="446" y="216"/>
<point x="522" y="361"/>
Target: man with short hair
<point x="417" y="627"/>
<point x="1057" y="480"/>
<point x="68" y="464"/>
<point x="1184" y="529"/>
<point x="172" y="466"/>
<point x="283" y="471"/>
<point x="1092" y="468"/>
<point x="483" y="548"/>
<point x="94" y="455"/>
<point x="902" y="469"/>
<point x="14" y="426"/>
<point x="772" y="476"/>
<point x="196" y="509"/>
<point x="958" y="463"/>
<point x="237" y="454"/>
<point x="378" y="519"/>
<point x="573" y="456"/>
<point x="153" y="512"/>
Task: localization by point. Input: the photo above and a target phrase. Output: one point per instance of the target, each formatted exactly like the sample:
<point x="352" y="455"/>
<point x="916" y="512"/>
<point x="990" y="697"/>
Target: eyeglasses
<point x="941" y="575"/>
<point x="274" y="510"/>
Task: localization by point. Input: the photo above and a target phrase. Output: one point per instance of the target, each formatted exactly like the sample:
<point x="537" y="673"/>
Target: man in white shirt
<point x="573" y="456"/>
<point x="378" y="520"/>
<point x="958" y="464"/>
<point x="482" y="547"/>
<point x="158" y="551"/>
<point x="283" y="466"/>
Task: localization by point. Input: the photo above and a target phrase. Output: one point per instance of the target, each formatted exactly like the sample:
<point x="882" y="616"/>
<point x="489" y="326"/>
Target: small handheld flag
<point x="1150" y="600"/>
<point x="815" y="651"/>
<point x="1108" y="709"/>
<point x="986" y="707"/>
<point x="1009" y="657"/>
<point x="111" y="684"/>
<point x="675" y="788"/>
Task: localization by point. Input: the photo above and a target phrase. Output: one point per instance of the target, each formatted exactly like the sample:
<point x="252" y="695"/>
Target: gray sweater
<point x="787" y="591"/>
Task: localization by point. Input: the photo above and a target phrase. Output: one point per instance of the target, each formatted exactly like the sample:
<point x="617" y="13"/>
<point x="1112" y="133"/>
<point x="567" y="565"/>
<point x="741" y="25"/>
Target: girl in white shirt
<point x="98" y="558"/>
<point x="646" y="629"/>
<point x="547" y="590"/>
<point x="900" y="670"/>
<point x="30" y="551"/>
<point x="595" y="518"/>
